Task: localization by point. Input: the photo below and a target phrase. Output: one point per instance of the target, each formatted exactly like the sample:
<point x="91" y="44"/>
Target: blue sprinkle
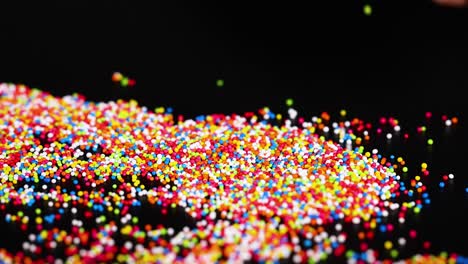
<point x="383" y="228"/>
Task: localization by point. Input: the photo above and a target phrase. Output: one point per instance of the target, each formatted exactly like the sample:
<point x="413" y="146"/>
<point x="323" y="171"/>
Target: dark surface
<point x="405" y="59"/>
<point x="264" y="52"/>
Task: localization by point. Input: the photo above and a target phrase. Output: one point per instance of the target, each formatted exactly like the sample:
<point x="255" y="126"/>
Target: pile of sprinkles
<point x="115" y="182"/>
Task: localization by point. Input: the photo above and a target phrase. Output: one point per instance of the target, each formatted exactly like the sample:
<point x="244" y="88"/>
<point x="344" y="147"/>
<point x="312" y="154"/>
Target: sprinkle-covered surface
<point x="115" y="182"/>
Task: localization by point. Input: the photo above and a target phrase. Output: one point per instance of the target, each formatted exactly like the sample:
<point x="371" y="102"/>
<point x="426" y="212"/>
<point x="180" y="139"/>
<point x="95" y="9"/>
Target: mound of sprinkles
<point x="115" y="182"/>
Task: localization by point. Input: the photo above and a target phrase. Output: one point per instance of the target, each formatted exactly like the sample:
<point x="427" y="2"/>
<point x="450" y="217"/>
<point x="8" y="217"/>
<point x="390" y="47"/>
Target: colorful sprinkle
<point x="246" y="190"/>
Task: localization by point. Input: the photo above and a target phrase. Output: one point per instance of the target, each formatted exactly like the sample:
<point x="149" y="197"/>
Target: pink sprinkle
<point x="390" y="227"/>
<point x="426" y="244"/>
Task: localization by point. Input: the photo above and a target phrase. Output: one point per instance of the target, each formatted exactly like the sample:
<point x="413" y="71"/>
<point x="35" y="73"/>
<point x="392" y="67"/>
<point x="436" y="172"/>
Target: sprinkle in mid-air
<point x="220" y="82"/>
<point x="122" y="80"/>
<point x="367" y="9"/>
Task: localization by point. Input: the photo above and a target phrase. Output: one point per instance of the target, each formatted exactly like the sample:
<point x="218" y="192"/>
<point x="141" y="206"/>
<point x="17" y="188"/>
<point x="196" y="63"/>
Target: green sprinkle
<point x="185" y="244"/>
<point x="289" y="102"/>
<point x="367" y="10"/>
<point x="220" y="82"/>
<point x="176" y="248"/>
<point x="124" y="82"/>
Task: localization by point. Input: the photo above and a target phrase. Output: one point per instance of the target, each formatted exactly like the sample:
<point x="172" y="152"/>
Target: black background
<point x="407" y="58"/>
<point x="405" y="54"/>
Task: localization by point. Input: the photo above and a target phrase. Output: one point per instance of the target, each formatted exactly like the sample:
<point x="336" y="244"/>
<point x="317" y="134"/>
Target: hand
<point x="452" y="3"/>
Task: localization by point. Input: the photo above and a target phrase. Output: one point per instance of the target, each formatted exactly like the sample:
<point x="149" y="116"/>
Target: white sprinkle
<point x="25" y="245"/>
<point x="356" y="220"/>
<point x="170" y="231"/>
<point x="128" y="245"/>
<point x="384" y="213"/>
<point x="295" y="240"/>
<point x="297" y="258"/>
<point x="338" y="227"/>
<point x="53" y="244"/>
<point x="401" y="241"/>
<point x="341" y="238"/>
<point x="292" y="113"/>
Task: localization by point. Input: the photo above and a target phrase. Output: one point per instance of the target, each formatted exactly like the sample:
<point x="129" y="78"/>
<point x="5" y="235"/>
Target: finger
<point x="452" y="3"/>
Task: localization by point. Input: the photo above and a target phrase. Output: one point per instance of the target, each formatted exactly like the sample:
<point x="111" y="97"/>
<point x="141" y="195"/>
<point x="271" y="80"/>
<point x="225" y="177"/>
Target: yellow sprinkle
<point x="126" y="230"/>
<point x="388" y="245"/>
<point x="123" y="114"/>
